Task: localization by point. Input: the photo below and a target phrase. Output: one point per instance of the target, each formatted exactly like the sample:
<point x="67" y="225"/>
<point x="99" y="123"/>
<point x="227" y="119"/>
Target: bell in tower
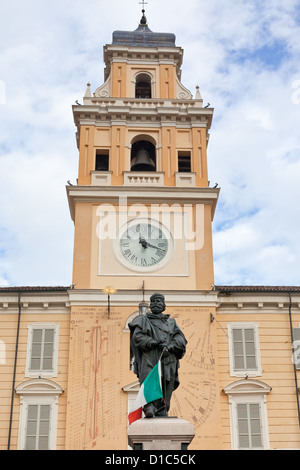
<point x="143" y="156"/>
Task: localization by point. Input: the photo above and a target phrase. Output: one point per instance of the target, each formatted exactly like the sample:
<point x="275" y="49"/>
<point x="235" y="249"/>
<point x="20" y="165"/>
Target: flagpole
<point x="163" y="352"/>
<point x="163" y="377"/>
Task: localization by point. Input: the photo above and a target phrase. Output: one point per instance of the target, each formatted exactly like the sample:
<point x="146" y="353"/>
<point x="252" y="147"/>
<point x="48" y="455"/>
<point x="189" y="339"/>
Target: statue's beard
<point x="156" y="309"/>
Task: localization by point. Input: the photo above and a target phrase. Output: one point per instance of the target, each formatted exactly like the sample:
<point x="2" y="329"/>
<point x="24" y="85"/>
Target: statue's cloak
<point x="148" y="330"/>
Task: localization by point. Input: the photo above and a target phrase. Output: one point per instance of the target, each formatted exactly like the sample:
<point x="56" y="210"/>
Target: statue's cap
<point x="157" y="295"/>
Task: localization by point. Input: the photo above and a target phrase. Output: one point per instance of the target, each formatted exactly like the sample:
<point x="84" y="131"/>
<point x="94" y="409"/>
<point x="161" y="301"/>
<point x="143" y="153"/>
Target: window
<point x="143" y="86"/>
<point x="37" y="427"/>
<point x="249" y="426"/>
<point x="102" y="160"/>
<point x="248" y="414"/>
<point x="38" y="414"/>
<point x="184" y="162"/>
<point x="244" y="349"/>
<point x="42" y="348"/>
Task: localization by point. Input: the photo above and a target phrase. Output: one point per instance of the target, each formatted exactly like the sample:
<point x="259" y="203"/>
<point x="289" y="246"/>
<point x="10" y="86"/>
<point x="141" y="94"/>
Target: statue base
<point x="165" y="433"/>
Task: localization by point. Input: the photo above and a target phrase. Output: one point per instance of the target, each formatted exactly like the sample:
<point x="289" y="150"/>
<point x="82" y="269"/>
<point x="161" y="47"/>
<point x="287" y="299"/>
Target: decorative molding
<point x="39" y="387"/>
<point x="257" y="302"/>
<point x="142" y="194"/>
<point x="129" y="320"/>
<point x="185" y="179"/>
<point x="101" y="178"/>
<point x="86" y="297"/>
<point x="151" y="55"/>
<point x="132" y="388"/>
<point x="43" y="303"/>
<point x="102" y="92"/>
<point x="253" y="392"/>
<point x="99" y="111"/>
<point x="38" y="392"/>
<point x="182" y="93"/>
<point x="247" y="386"/>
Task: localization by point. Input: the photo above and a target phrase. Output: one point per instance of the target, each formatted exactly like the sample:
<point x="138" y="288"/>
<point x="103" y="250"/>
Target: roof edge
<point x="35" y="289"/>
<point x="241" y="288"/>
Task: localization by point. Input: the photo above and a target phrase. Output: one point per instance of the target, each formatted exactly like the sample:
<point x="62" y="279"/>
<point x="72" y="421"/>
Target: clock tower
<point x="142" y="211"/>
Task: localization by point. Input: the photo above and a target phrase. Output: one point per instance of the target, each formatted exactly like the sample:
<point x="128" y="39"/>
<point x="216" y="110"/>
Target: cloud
<point x="245" y="58"/>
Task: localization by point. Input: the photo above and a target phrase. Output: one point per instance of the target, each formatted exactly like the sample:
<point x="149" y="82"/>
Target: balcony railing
<point x="134" y="178"/>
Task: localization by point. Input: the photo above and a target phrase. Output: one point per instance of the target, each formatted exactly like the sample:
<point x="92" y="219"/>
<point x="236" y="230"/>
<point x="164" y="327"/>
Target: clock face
<point x="144" y="245"/>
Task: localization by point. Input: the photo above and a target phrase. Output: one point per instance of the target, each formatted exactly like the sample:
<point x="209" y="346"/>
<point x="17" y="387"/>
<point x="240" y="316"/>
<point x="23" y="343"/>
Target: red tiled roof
<point x="221" y="289"/>
<point x="228" y="289"/>
<point x="34" y="289"/>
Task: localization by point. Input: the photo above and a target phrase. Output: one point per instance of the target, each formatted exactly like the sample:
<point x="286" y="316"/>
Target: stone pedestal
<point x="160" y="434"/>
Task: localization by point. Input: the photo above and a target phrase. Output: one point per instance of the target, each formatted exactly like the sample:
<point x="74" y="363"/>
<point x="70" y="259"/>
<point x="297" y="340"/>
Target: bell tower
<point x="142" y="211"/>
<point x="142" y="141"/>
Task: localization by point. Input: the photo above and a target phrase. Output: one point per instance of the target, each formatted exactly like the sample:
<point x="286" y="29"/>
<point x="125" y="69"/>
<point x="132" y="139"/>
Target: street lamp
<point x="143" y="306"/>
<point x="109" y="291"/>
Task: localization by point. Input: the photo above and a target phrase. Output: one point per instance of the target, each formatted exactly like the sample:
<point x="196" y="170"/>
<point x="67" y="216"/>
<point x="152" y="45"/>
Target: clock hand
<point x="156" y="247"/>
<point x="146" y="244"/>
<point x="143" y="242"/>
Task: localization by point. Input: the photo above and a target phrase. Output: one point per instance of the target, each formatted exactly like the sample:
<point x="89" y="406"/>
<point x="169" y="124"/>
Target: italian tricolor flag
<point x="151" y="389"/>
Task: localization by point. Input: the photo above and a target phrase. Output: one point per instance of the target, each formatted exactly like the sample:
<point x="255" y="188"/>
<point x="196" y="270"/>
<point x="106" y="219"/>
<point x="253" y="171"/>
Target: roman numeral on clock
<point x="127" y="252"/>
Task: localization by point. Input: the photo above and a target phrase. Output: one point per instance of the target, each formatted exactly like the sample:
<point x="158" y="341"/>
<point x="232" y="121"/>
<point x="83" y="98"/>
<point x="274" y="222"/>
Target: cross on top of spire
<point x="143" y="3"/>
<point x="144" y="19"/>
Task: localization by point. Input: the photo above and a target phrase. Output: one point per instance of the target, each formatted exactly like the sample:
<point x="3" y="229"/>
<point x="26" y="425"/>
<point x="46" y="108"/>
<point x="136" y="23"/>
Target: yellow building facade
<point x="66" y="376"/>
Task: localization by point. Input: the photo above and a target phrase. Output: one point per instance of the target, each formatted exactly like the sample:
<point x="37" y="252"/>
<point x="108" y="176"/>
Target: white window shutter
<point x="249" y="426"/>
<point x="296" y="347"/>
<point x="244" y="349"/>
<point x="37" y="427"/>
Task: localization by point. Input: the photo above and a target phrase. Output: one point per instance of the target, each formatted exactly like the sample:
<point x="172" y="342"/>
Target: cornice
<point x="124" y="53"/>
<point x="132" y="298"/>
<point x="99" y="111"/>
<point x="141" y="195"/>
<point x="46" y="300"/>
<point x="56" y="302"/>
<point x="258" y="302"/>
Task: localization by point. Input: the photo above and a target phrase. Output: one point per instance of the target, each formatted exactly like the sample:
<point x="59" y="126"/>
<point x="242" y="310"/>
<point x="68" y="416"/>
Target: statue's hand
<point x="155" y="344"/>
<point x="163" y="345"/>
<point x="158" y="344"/>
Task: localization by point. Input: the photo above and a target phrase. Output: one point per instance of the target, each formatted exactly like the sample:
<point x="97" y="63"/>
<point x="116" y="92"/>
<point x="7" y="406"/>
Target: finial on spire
<point x="144" y="19"/>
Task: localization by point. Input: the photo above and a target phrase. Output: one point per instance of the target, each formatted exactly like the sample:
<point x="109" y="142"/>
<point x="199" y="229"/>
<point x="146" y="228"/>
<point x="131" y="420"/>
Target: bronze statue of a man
<point x="152" y="334"/>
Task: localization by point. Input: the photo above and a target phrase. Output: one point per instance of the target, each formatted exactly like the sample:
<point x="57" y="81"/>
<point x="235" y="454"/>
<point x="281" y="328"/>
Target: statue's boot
<point x="161" y="408"/>
<point x="149" y="410"/>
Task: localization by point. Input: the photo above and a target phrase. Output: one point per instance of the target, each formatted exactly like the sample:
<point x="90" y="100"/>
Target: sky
<point x="245" y="57"/>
